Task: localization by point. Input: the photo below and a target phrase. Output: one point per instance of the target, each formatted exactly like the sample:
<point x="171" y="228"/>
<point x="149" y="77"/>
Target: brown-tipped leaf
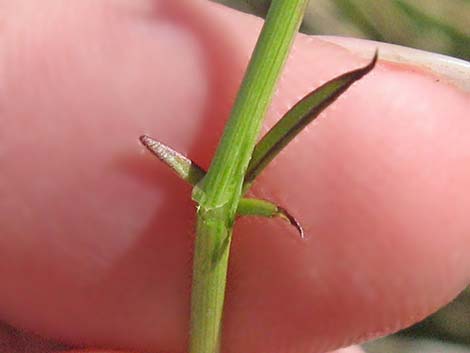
<point x="181" y="165"/>
<point x="263" y="208"/>
<point x="298" y="117"/>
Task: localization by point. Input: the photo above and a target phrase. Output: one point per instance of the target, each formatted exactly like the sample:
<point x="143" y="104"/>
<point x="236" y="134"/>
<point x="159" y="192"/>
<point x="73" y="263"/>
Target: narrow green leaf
<point x="183" y="166"/>
<point x="190" y="172"/>
<point x="298" y="117"/>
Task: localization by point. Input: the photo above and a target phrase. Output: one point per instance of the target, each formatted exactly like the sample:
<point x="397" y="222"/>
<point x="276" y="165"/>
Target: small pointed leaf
<point x="263" y="208"/>
<point x="183" y="166"/>
<point x="298" y="117"/>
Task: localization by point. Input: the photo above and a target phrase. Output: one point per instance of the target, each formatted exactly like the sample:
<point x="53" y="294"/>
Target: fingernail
<point x="455" y="71"/>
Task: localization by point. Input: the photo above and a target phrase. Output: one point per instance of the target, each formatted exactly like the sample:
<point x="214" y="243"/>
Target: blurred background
<point x="441" y="26"/>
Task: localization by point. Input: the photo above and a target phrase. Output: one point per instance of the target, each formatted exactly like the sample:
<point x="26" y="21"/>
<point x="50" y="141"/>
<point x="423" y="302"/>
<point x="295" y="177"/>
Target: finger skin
<point x="97" y="235"/>
<point x="355" y="349"/>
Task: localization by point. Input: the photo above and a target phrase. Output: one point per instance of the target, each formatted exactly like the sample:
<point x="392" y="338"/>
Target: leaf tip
<point x="149" y="143"/>
<point x="374" y="60"/>
<point x="361" y="72"/>
<point x="163" y="152"/>
<point x="292" y="220"/>
<point x="183" y="166"/>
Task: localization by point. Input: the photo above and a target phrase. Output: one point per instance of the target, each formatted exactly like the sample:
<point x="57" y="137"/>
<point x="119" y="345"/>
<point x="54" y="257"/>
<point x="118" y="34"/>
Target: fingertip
<point x="114" y="236"/>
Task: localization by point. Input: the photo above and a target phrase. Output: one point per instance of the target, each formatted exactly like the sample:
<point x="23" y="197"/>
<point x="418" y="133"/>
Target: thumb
<point x="97" y="236"/>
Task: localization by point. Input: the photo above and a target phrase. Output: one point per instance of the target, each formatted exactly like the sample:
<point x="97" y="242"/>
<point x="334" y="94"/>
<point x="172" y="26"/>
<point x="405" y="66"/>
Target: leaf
<point x="190" y="172"/>
<point x="298" y="117"/>
<point x="263" y="208"/>
<point x="181" y="165"/>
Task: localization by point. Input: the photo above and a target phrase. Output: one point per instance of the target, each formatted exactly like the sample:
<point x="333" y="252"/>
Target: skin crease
<point x="97" y="235"/>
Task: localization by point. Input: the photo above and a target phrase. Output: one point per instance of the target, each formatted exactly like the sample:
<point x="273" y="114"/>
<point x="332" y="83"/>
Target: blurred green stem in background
<point x="439" y="26"/>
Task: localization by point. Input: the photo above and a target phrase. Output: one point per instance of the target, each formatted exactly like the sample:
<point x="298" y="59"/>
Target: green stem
<point x="208" y="291"/>
<point x="219" y="192"/>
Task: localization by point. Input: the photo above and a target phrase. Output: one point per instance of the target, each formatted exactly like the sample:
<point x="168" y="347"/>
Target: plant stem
<point x="219" y="192"/>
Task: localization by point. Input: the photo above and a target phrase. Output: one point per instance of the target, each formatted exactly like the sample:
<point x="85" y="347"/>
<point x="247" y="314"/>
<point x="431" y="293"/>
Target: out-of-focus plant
<point x="433" y="25"/>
